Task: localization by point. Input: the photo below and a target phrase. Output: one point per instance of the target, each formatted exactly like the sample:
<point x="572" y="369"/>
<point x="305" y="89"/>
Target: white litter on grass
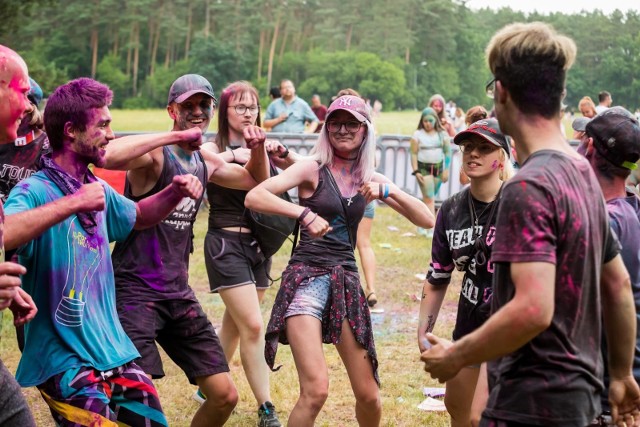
<point x="433" y="405"/>
<point x="392" y="228"/>
<point x="408" y="234"/>
<point x="385" y="245"/>
<point x="421" y="276"/>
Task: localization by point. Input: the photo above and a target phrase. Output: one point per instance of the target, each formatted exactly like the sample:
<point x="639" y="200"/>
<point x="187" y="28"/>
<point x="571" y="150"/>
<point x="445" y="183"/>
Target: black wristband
<point x="415" y="172"/>
<point x="285" y="154"/>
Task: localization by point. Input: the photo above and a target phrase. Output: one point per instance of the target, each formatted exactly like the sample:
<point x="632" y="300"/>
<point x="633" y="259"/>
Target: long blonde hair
<point x="364" y="166"/>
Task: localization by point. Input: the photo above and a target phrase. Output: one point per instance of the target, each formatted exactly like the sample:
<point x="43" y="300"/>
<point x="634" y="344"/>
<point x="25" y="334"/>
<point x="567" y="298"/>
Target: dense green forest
<point x="400" y="51"/>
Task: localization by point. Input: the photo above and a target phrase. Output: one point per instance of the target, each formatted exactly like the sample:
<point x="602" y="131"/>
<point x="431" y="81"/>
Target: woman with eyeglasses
<point x="237" y="269"/>
<point x="430" y="157"/>
<point x="320" y="298"/>
<point x="463" y="237"/>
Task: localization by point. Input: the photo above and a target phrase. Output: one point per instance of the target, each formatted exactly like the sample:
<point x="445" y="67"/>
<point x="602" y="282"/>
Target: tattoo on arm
<point x="431" y="322"/>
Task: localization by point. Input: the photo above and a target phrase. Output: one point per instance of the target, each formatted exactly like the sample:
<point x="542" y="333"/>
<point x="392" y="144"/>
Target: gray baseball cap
<point x="188" y="85"/>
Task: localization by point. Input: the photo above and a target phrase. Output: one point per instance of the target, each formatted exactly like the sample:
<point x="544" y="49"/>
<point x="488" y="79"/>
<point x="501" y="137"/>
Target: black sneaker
<point x="267" y="416"/>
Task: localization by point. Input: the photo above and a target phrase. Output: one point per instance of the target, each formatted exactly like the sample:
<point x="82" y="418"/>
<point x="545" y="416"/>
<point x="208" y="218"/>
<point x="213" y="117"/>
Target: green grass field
<point x="395" y="330"/>
<point x="393" y="122"/>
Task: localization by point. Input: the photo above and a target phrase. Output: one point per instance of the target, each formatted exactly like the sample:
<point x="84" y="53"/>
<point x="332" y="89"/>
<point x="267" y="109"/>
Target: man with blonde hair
<point x="558" y="272"/>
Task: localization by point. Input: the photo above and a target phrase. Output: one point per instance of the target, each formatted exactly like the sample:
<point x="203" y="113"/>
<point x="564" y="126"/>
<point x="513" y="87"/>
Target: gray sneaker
<point x="267" y="416"/>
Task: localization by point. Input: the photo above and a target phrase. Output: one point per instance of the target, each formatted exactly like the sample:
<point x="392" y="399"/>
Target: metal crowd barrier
<point x="392" y="158"/>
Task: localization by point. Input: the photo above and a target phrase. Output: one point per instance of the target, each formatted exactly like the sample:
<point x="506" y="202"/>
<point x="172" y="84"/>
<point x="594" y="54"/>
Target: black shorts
<point x="434" y="169"/>
<point x="182" y="329"/>
<point x="234" y="259"/>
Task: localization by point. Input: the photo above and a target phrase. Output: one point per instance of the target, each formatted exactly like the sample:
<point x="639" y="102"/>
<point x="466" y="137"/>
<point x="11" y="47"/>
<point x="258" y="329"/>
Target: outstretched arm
<point x="382" y="188"/>
<point x="235" y="176"/>
<point x="23" y="227"/>
<point x="153" y="209"/>
<point x="132" y="152"/>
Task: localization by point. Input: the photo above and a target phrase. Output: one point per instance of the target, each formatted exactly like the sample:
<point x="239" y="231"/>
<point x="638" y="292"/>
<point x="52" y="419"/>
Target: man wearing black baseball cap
<point x="151" y="266"/>
<point x="612" y="147"/>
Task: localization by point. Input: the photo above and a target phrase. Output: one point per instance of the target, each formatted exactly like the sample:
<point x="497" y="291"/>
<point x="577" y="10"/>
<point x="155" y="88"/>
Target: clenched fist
<point x="187" y="186"/>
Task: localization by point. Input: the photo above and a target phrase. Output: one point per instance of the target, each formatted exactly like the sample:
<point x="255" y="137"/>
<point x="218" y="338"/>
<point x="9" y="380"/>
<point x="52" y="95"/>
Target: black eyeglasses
<point x="351" y="126"/>
<point x="242" y="109"/>
<point x="490" y="88"/>
<point x="483" y="148"/>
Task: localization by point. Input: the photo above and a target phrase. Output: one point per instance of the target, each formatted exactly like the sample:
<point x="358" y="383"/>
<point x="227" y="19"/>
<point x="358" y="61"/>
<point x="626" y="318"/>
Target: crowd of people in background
<point x="545" y="235"/>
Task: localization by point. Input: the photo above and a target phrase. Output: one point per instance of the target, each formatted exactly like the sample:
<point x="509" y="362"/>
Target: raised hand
<point x="254" y="136"/>
<point x="90" y="197"/>
<point x="187" y="186"/>
<point x="192" y="137"/>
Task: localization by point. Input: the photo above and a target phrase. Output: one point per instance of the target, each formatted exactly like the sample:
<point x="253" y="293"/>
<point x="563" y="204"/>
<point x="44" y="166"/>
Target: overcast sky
<point x="565" y="6"/>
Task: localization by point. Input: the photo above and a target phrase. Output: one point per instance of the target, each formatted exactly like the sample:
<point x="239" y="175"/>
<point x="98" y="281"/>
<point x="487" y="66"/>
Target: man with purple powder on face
<point x="611" y="144"/>
<point x="76" y="352"/>
<point x="155" y="301"/>
<point x="14" y="85"/>
<point x="558" y="273"/>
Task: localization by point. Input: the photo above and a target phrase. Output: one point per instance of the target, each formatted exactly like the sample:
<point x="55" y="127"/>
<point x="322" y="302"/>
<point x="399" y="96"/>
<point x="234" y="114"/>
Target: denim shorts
<point x="311" y="298"/>
<point x="370" y="210"/>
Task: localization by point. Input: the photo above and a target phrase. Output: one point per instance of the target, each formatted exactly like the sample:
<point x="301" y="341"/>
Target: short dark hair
<point x="274" y="92"/>
<point x="71" y="103"/>
<point x="531" y="61"/>
<point x="602" y="96"/>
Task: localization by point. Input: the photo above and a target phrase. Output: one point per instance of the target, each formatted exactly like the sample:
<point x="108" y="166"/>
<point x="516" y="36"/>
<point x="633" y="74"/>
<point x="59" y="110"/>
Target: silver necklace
<point x="353" y="186"/>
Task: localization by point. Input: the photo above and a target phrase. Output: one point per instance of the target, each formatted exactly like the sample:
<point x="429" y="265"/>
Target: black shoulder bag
<point x="271" y="231"/>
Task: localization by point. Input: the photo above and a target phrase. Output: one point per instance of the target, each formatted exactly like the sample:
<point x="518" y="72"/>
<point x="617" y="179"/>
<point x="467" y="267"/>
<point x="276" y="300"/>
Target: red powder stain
<point x="494" y="164"/>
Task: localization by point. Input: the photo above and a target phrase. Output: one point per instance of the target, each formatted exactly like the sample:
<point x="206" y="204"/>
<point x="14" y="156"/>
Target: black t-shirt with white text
<point x="454" y="247"/>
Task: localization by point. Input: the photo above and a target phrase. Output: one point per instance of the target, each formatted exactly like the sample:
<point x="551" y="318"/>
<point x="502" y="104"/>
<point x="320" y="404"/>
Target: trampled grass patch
<point x="401" y="373"/>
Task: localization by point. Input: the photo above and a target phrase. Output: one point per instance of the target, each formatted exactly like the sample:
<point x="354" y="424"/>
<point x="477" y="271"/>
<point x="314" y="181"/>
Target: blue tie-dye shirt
<point x="70" y="277"/>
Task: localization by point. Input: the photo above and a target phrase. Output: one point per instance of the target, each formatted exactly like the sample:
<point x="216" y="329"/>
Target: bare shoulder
<point x="210" y="146"/>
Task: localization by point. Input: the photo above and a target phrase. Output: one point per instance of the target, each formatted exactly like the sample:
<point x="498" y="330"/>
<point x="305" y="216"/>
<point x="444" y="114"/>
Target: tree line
<point x="399" y="52"/>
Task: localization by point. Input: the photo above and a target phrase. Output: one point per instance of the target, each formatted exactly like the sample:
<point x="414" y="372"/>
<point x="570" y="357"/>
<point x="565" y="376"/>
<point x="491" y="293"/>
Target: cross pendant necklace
<point x="353" y="186"/>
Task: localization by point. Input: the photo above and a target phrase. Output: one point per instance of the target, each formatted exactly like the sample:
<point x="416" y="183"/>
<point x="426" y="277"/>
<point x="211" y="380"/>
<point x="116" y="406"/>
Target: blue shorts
<point x="370" y="210"/>
<point x="311" y="297"/>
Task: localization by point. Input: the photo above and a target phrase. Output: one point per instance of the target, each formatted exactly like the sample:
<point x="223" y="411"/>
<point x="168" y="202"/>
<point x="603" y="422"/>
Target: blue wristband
<point x="386" y="191"/>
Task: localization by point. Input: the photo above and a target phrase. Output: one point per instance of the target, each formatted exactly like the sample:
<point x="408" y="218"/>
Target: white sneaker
<point x="429" y="234"/>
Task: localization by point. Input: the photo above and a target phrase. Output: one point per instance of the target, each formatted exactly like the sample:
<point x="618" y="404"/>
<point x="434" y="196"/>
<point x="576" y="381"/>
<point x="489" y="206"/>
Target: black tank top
<point x="334" y="248"/>
<point x="155" y="262"/>
<point x="226" y="207"/>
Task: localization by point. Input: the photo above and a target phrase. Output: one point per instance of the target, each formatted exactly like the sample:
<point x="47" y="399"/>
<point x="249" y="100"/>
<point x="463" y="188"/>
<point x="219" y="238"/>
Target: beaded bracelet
<point x="304" y="213"/>
<point x="380" y="192"/>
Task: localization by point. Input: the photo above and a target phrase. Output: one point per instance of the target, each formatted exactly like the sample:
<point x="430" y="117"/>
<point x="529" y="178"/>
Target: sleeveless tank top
<point x="334" y="248"/>
<point x="154" y="263"/>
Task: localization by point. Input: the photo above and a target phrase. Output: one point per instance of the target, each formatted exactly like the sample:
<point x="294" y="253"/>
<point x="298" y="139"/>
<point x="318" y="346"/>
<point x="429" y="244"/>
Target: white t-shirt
<point x="429" y="146"/>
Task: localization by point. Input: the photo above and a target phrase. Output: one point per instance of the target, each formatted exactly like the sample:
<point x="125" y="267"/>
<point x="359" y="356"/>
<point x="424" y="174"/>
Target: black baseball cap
<point x="616" y="137"/>
<point x="487" y="129"/>
<point x="188" y="85"/>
